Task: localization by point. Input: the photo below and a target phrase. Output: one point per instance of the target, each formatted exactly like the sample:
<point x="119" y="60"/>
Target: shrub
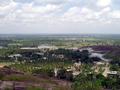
<point x="35" y="88"/>
<point x="9" y="89"/>
<point x="7" y="67"/>
<point x="15" y="77"/>
<point x="47" y="72"/>
<point x="2" y="75"/>
<point x="61" y="74"/>
<point x="69" y="76"/>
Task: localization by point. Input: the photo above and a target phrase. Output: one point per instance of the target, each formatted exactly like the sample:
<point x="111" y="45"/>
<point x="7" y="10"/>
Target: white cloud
<point x="102" y="13"/>
<point x="5" y="9"/>
<point x="57" y="1"/>
<point x="73" y="14"/>
<point x="37" y="13"/>
<point x="86" y="15"/>
<point x="4" y="2"/>
<point x="28" y="12"/>
<point x="115" y="14"/>
<point x="51" y="1"/>
<point x="57" y="12"/>
<point x="30" y="8"/>
<point x="103" y="3"/>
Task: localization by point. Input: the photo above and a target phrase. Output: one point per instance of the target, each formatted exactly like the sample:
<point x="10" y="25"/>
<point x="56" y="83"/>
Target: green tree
<point x="61" y="74"/>
<point x="2" y="75"/>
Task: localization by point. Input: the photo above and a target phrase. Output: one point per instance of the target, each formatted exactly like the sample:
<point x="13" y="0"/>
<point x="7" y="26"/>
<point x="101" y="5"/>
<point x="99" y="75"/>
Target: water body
<point x="1" y="47"/>
<point x="99" y="55"/>
<point x="47" y="47"/>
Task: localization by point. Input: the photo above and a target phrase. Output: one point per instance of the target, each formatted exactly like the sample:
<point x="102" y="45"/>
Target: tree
<point x="2" y="75"/>
<point x="61" y="74"/>
<point x="69" y="76"/>
<point x="109" y="83"/>
<point x="86" y="82"/>
<point x="47" y="72"/>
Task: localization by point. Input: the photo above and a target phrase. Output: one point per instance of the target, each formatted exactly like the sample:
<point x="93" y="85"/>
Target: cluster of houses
<point x="98" y="65"/>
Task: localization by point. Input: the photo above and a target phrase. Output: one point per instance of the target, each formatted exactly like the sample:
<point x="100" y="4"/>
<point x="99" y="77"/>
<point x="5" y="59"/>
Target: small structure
<point x="56" y="71"/>
<point x="112" y="73"/>
<point x="61" y="56"/>
<point x="86" y="48"/>
<point x="74" y="48"/>
<point x="75" y="73"/>
<point x="77" y="64"/>
<point x="69" y="69"/>
<point x="46" y="47"/>
<point x="29" y="48"/>
<point x="38" y="53"/>
<point x="98" y="63"/>
<point x="53" y="55"/>
<point x="15" y="55"/>
<point x="44" y="58"/>
<point x="37" y="67"/>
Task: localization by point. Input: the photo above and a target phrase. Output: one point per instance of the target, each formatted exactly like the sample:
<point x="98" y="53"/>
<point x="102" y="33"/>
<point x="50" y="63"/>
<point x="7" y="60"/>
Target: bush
<point x="86" y="85"/>
<point x="110" y="83"/>
<point x="2" y="75"/>
<point x="69" y="76"/>
<point x="47" y="72"/>
<point x="86" y="82"/>
<point x="61" y="74"/>
<point x="9" y="89"/>
<point x="35" y="88"/>
<point x="15" y="77"/>
<point x="7" y="67"/>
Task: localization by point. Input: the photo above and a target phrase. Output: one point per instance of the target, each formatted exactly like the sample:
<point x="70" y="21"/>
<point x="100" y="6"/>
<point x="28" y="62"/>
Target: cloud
<point x="115" y="14"/>
<point x="51" y="1"/>
<point x="53" y="11"/>
<point x="39" y="13"/>
<point x="23" y="1"/>
<point x="4" y="2"/>
<point x="77" y="14"/>
<point x="28" y="12"/>
<point x="86" y="15"/>
<point x="7" y="7"/>
<point x="103" y="3"/>
<point x="57" y="1"/>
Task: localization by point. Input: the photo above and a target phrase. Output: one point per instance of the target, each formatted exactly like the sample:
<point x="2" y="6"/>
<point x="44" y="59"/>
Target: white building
<point x="15" y="55"/>
<point x="75" y="73"/>
<point x="112" y="73"/>
<point x="77" y="64"/>
<point x="87" y="48"/>
<point x="29" y="48"/>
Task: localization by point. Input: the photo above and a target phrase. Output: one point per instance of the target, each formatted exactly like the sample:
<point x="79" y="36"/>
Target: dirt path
<point x="49" y="86"/>
<point x="45" y="81"/>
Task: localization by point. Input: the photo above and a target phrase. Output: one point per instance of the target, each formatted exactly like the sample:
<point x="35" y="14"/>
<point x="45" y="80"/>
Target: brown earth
<point x="21" y="85"/>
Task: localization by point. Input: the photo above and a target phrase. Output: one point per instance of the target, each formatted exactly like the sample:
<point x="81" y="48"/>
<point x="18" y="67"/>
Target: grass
<point x="15" y="77"/>
<point x="2" y="64"/>
<point x="27" y="77"/>
<point x="35" y="88"/>
<point x="62" y="88"/>
<point x="15" y="44"/>
<point x="9" y="89"/>
<point x="49" y="81"/>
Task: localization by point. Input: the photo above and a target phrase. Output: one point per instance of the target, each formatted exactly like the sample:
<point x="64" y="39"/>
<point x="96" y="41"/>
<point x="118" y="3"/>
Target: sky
<point x="59" y="16"/>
